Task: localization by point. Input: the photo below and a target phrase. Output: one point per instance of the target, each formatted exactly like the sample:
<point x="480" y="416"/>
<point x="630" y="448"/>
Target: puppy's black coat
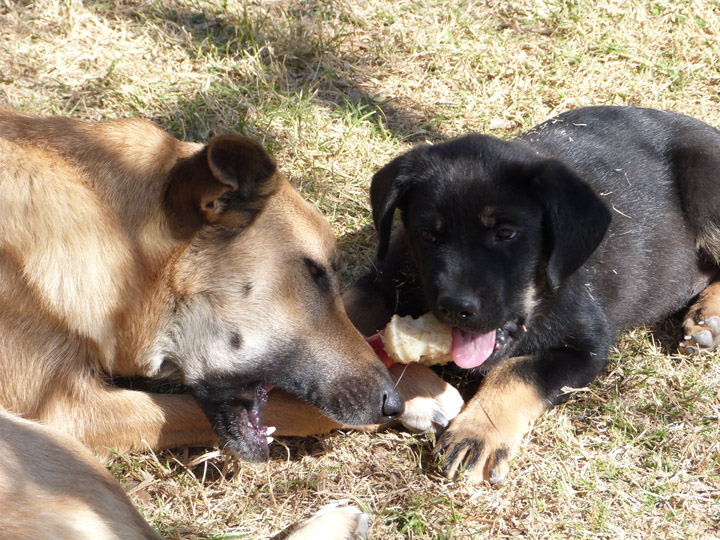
<point x="597" y="220"/>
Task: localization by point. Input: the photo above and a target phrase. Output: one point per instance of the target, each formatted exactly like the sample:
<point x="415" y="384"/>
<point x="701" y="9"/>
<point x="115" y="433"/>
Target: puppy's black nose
<point x="393" y="404"/>
<point x="455" y="310"/>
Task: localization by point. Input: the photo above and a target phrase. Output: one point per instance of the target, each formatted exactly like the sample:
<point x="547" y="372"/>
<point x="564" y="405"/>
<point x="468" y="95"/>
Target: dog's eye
<point x="315" y="269"/>
<point x="319" y="275"/>
<point x="505" y="233"/>
<point x="427" y="236"/>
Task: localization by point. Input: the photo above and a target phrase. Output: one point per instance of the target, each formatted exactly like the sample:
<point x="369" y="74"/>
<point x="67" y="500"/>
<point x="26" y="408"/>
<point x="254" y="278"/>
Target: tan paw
<point x="702" y="333"/>
<point x="475" y="454"/>
<point x="702" y="323"/>
<point x="430" y="402"/>
<point x="333" y="522"/>
<point x="481" y="441"/>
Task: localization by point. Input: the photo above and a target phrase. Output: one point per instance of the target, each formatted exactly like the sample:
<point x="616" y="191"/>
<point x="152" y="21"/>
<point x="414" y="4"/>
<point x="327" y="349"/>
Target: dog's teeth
<point x="269" y="440"/>
<point x="270" y="430"/>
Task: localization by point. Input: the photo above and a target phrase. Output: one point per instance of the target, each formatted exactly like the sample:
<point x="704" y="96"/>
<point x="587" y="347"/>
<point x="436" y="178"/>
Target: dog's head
<point x="257" y="300"/>
<point x="490" y="227"/>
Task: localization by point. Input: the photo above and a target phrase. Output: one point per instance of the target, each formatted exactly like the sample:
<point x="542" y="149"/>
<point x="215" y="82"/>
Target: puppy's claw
<point x="702" y="334"/>
<point x="473" y="458"/>
<point x="499" y="465"/>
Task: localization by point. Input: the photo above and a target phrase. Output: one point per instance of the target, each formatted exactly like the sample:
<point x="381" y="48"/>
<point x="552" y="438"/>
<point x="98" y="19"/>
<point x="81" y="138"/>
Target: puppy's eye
<point x="316" y="271"/>
<point x="505" y="233"/>
<point x="427" y="236"/>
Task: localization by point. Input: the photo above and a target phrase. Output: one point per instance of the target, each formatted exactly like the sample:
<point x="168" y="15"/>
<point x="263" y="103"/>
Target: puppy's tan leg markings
<point x="701" y="328"/>
<point x="484" y="437"/>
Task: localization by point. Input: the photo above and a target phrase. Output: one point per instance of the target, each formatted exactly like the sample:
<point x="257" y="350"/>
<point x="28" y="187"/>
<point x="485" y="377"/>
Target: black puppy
<point x="540" y="250"/>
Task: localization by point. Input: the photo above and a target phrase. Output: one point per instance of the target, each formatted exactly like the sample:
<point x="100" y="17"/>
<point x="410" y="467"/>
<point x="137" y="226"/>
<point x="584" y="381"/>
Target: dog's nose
<point x="393" y="404"/>
<point x="454" y="310"/>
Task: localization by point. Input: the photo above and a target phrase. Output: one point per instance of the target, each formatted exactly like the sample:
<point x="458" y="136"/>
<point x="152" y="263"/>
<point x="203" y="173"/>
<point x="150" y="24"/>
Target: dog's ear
<point x="387" y="189"/>
<point x="227" y="183"/>
<point x="576" y="219"/>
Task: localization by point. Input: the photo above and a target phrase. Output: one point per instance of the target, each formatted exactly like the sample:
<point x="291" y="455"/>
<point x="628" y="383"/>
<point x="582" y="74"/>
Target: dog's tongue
<point x="471" y="350"/>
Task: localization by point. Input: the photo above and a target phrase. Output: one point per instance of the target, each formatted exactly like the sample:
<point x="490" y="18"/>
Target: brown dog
<point x="125" y="252"/>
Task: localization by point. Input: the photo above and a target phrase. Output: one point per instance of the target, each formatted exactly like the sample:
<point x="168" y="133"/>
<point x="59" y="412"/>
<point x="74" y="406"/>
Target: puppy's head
<point x="489" y="225"/>
<point x="257" y="300"/>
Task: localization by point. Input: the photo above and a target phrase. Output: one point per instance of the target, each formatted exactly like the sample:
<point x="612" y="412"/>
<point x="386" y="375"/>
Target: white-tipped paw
<point x="334" y="522"/>
<point x="430" y="402"/>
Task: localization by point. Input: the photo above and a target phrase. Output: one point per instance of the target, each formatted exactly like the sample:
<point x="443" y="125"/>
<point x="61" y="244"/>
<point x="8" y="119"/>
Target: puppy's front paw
<point x="476" y="452"/>
<point x="430" y="402"/>
<point x="483" y="438"/>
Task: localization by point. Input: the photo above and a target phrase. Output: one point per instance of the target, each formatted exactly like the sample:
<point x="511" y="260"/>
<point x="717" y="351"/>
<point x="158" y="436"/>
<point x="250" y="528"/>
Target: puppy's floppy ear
<point x="576" y="219"/>
<point x="388" y="187"/>
<point x="227" y="183"/>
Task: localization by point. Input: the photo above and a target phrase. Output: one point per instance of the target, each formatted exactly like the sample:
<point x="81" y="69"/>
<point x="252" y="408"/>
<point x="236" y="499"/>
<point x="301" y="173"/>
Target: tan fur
<point x="51" y="487"/>
<point x="702" y="322"/>
<point x="120" y="274"/>
<point x="333" y="518"/>
<point x="500" y="413"/>
<point x="115" y="261"/>
<point x="430" y="402"/>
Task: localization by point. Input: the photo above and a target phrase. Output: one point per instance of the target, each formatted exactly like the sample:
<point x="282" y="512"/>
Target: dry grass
<point x="334" y="89"/>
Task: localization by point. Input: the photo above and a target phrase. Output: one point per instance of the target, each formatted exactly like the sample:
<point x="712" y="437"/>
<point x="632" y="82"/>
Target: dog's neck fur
<point x="49" y="222"/>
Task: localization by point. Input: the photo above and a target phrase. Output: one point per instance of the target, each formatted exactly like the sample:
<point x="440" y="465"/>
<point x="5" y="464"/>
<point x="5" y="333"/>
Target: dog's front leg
<point x="430" y="402"/>
<point x="430" y="405"/>
<point x="293" y="417"/>
<point x="484" y="437"/>
<point x="124" y="420"/>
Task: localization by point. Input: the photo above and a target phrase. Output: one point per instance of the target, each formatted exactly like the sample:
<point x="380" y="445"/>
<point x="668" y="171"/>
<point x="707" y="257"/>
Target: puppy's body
<point x="125" y="252"/>
<point x="548" y="246"/>
<point x="655" y="172"/>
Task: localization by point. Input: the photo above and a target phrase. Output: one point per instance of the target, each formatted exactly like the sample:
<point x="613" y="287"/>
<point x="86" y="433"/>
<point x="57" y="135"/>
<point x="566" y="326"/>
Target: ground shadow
<point x="310" y="61"/>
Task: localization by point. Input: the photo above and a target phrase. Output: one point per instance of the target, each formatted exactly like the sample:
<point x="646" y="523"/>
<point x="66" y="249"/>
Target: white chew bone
<point x="425" y="340"/>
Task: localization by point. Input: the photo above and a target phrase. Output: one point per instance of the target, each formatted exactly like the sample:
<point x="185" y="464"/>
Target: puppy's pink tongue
<point x="471" y="350"/>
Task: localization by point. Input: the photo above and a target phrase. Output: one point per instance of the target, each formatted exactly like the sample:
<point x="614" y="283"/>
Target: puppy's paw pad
<point x="701" y="334"/>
